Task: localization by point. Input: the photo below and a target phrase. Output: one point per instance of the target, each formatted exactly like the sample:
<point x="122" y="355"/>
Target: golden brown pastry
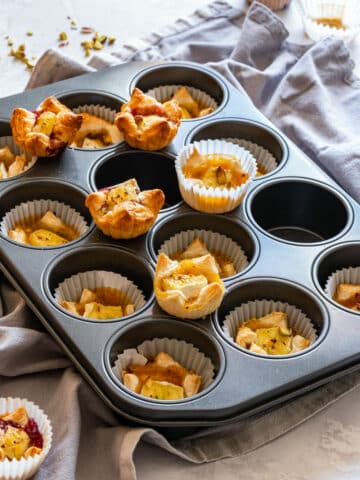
<point x="190" y="288"/>
<point x="11" y="164"/>
<point x="95" y="132"/>
<point x="348" y="295"/>
<point x="190" y="108"/>
<point x="146" y="123"/>
<point x="47" y="131"/>
<point x="101" y="303"/>
<point x="270" y="335"/>
<point x="46" y="231"/>
<point x="162" y="379"/>
<point x="123" y="211"/>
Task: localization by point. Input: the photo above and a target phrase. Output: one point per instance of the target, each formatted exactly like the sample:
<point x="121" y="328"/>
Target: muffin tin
<point x="295" y="225"/>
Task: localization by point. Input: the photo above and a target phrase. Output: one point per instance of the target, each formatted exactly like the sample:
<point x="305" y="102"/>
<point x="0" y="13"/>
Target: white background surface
<point x="326" y="447"/>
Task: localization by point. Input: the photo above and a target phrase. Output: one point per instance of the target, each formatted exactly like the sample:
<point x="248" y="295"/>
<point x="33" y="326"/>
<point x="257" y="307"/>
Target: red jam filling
<point x="31" y="428"/>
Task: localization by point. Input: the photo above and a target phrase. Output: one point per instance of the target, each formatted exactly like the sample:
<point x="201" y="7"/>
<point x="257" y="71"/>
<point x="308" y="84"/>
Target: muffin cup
<point x="166" y="92"/>
<point x="37" y="208"/>
<point x="345" y="275"/>
<point x="274" y="4"/>
<point x="348" y="11"/>
<point x="15" y="149"/>
<point x="214" y="200"/>
<point x="26" y="468"/>
<point x="258" y="308"/>
<point x="262" y="156"/>
<point x="184" y="353"/>
<point x="215" y="242"/>
<point x="71" y="288"/>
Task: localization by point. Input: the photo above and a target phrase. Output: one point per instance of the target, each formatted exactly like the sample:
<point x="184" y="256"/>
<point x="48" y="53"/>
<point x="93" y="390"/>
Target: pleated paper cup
<point x="346" y="10"/>
<point x="71" y="288"/>
<point x="25" y="468"/>
<point x="100" y="111"/>
<point x="259" y="308"/>
<point x="263" y="157"/>
<point x="214" y="199"/>
<point x="15" y="149"/>
<point x="214" y="242"/>
<point x="166" y="92"/>
<point x="182" y="352"/>
<point x="273" y="4"/>
<point x="38" y="208"/>
<point x="345" y="275"/>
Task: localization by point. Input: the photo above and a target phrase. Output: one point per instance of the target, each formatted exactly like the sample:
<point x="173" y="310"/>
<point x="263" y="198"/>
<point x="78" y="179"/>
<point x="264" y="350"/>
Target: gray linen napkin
<point x="310" y="93"/>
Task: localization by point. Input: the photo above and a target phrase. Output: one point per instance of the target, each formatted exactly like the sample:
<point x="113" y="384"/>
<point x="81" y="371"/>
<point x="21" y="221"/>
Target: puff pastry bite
<point x="197" y="248"/>
<point x="46" y="231"/>
<point x="46" y="131"/>
<point x="123" y="211"/>
<point x="95" y="132"/>
<point x="11" y="164"/>
<point x="190" y="108"/>
<point x="270" y="335"/>
<point x="161" y="379"/>
<point x="348" y="295"/>
<point x="101" y="303"/>
<point x="190" y="288"/>
<point x="20" y="436"/>
<point x="146" y="123"/>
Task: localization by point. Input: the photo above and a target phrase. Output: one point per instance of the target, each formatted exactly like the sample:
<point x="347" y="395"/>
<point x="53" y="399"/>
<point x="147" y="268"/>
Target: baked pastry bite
<point x="146" y="123"/>
<point x="95" y="132"/>
<point x="190" y="288"/>
<point x="162" y="378"/>
<point x="101" y="303"/>
<point x="20" y="436"/>
<point x="46" y="131"/>
<point x="10" y="163"/>
<point x="44" y="231"/>
<point x="197" y="248"/>
<point x="123" y="211"/>
<point x="348" y="295"/>
<point x="270" y="335"/>
<point x="190" y="108"/>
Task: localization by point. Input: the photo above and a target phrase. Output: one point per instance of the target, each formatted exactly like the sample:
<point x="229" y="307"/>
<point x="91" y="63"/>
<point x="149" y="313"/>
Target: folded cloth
<point x="310" y="93"/>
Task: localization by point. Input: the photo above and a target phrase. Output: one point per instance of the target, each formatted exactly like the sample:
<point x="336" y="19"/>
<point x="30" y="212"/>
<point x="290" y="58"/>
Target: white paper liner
<point x="274" y="4"/>
<point x="214" y="200"/>
<point x="214" y="242"/>
<point x="262" y="156"/>
<point x="37" y="208"/>
<point x="166" y="92"/>
<point x="258" y="308"/>
<point x="71" y="288"/>
<point x="346" y="275"/>
<point x="347" y="10"/>
<point x="15" y="149"/>
<point x="26" y="468"/>
<point x="184" y="353"/>
<point x="106" y="113"/>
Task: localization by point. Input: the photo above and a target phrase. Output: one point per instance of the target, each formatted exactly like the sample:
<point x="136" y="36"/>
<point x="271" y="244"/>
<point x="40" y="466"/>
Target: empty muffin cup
<point x="214" y="199"/>
<point x="164" y="93"/>
<point x="8" y="141"/>
<point x="216" y="243"/>
<point x="297" y="320"/>
<point x="349" y="275"/>
<point x="182" y="352"/>
<point x="70" y="289"/>
<point x="26" y="467"/>
<point x="35" y="209"/>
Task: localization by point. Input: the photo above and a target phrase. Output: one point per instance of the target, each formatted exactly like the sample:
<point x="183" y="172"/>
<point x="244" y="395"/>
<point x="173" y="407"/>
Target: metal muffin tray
<point x="296" y="226"/>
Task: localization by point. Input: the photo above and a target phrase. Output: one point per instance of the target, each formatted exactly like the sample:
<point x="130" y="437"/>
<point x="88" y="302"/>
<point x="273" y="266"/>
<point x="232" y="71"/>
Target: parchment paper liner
<point x="345" y="275"/>
<point x="166" y="92"/>
<point x="214" y="200"/>
<point x="15" y="149"/>
<point x="25" y="468"/>
<point x="37" y="208"/>
<point x="70" y="289"/>
<point x="184" y="353"/>
<point x="258" y="308"/>
<point x="214" y="242"/>
<point x="262" y="156"/>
